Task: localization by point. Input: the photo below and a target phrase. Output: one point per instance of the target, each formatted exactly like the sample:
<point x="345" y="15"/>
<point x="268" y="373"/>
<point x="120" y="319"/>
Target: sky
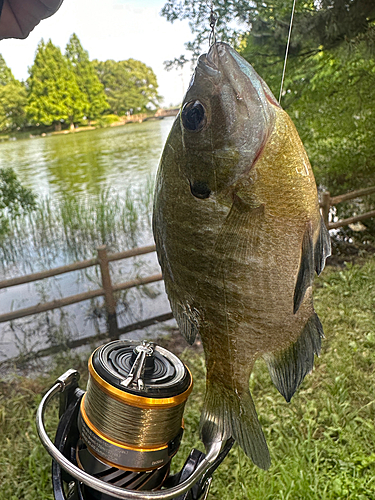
<point x="112" y="29"/>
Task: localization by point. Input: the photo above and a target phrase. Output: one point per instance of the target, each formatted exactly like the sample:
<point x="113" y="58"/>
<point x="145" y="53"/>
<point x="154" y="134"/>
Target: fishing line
<point x="141" y="427"/>
<point x="131" y="414"/>
<point x="287" y="48"/>
<point x="213" y="20"/>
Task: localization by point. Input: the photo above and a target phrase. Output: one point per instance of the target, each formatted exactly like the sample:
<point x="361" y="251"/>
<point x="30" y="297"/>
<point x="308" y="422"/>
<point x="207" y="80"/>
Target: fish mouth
<point x="213" y="55"/>
<point x="207" y="63"/>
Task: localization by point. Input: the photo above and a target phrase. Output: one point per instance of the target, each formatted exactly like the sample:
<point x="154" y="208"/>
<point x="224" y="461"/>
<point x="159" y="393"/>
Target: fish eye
<point x="193" y="116"/>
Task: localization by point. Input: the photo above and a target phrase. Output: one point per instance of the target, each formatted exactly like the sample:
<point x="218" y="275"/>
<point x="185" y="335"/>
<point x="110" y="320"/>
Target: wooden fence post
<point x="110" y="302"/>
<point x="326" y="205"/>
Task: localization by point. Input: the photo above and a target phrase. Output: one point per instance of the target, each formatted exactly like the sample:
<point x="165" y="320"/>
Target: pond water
<point x="82" y="165"/>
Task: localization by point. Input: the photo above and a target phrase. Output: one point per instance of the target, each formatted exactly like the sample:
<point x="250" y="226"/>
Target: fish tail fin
<point x="288" y="368"/>
<point x="227" y="413"/>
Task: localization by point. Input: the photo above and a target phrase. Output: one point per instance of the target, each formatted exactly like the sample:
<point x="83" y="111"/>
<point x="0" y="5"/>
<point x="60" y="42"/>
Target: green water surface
<point x="83" y="163"/>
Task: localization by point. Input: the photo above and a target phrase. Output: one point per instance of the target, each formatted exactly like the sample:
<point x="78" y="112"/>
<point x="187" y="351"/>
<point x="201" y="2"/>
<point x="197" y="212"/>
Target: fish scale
<point x="239" y="235"/>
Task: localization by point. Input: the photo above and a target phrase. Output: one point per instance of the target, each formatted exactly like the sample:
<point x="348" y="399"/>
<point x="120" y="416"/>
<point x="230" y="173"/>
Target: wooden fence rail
<point x="328" y="202"/>
<point x="107" y="289"/>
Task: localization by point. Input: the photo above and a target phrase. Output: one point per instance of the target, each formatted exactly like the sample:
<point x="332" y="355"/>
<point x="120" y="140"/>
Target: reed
<point x="72" y="227"/>
<point x="60" y="231"/>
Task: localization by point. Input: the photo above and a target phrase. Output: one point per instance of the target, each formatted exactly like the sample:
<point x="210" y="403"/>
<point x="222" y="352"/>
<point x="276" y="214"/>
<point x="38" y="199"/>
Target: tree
<point x="54" y="95"/>
<point x="130" y="85"/>
<point x="87" y="79"/>
<point x="6" y="75"/>
<point x="334" y="115"/>
<point x="15" y="199"/>
<point x="325" y="23"/>
<point x="13" y="99"/>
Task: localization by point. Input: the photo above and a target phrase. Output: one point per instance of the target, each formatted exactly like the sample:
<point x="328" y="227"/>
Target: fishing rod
<point x="117" y="439"/>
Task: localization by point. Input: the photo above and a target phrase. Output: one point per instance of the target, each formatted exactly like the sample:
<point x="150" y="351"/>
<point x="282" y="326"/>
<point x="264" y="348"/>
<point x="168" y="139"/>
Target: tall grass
<point x="64" y="230"/>
<point x="322" y="444"/>
<point x="72" y="227"/>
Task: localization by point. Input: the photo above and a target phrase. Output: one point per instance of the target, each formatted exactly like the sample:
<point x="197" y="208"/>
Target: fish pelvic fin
<point x="228" y="413"/>
<point x="313" y="258"/>
<point x="288" y="368"/>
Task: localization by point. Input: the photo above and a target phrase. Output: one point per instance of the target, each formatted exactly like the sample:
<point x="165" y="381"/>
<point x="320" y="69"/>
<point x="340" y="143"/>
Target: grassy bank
<point x="322" y="443"/>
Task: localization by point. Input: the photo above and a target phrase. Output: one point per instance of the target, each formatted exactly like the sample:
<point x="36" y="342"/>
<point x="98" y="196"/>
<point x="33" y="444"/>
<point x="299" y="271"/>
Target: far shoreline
<point x="47" y="131"/>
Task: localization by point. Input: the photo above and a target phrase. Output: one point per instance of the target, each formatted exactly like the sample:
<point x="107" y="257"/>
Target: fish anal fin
<point x="306" y="269"/>
<point x="288" y="368"/>
<point x="227" y="413"/>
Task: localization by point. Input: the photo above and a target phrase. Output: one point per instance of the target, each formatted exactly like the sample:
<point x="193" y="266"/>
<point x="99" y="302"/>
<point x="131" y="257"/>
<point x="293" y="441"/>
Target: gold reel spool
<point x="131" y="414"/>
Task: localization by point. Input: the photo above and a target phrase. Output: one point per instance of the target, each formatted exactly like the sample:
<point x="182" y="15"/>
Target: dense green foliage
<point x="130" y="85"/>
<point x="321" y="444"/>
<point x="326" y="23"/>
<point x="6" y="75"/>
<point x="94" y="99"/>
<point x="69" y="88"/>
<point x="13" y="99"/>
<point x="54" y="94"/>
<point x="15" y="199"/>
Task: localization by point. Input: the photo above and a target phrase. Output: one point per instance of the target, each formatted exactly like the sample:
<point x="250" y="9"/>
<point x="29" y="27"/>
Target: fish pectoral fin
<point x="226" y="414"/>
<point x="313" y="258"/>
<point x="288" y="368"/>
<point x="305" y="275"/>
<point x="322" y="248"/>
<point x="187" y="321"/>
<point x="238" y="237"/>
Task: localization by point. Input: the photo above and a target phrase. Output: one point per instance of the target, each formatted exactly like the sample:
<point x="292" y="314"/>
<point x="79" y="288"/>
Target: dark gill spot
<point x="200" y="190"/>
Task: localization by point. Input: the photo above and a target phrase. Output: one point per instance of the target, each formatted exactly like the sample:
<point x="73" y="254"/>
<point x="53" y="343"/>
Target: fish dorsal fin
<point x="313" y="258"/>
<point x="288" y="368"/>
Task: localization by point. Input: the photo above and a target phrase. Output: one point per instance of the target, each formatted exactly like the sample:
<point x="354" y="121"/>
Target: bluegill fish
<point x="239" y="237"/>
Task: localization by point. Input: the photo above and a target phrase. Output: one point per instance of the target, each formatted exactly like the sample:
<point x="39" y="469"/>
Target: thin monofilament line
<point x="131" y="425"/>
<point x="287" y="49"/>
<point x="213" y="20"/>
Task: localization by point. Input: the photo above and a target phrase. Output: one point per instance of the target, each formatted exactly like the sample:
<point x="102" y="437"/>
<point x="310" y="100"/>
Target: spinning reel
<point x="117" y="439"/>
